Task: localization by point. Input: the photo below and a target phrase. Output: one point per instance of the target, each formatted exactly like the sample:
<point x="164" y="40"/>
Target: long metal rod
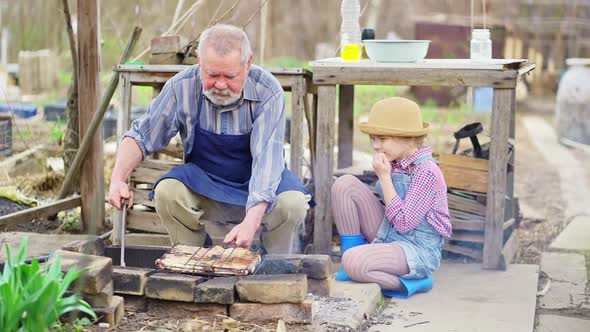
<point x="98" y="115"/>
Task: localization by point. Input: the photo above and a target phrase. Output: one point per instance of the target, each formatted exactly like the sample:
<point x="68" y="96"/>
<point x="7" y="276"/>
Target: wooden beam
<point x="25" y="216"/>
<point x="463" y="251"/>
<point x="500" y="129"/>
<point x="91" y="175"/>
<point x="345" y="125"/>
<point x="298" y="100"/>
<point x="324" y="164"/>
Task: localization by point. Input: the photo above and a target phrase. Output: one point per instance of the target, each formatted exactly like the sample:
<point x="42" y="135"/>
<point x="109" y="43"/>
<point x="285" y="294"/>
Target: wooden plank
<point x="463" y="64"/>
<point x="179" y="68"/>
<point x="465" y="204"/>
<point x="140" y="197"/>
<point x="465" y="178"/>
<point x="502" y="110"/>
<point x="25" y="216"/>
<point x="468" y="237"/>
<point x="415" y="76"/>
<point x="91" y="172"/>
<point x="145" y="220"/>
<point x="298" y="99"/>
<point x="460" y="161"/>
<point x="456" y="214"/>
<point x="324" y="168"/>
<point x="467" y="225"/>
<point x="509" y="250"/>
<point x="345" y="124"/>
<point x="150" y="170"/>
<point x="476" y="254"/>
<point x="508" y="223"/>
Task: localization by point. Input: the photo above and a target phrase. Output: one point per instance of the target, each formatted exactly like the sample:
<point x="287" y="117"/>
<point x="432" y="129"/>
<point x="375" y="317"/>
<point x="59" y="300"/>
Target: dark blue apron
<point x="220" y="166"/>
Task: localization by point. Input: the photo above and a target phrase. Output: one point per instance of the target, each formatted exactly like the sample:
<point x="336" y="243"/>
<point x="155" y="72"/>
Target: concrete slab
<point x="39" y="244"/>
<point x="567" y="272"/>
<point x="347" y="309"/>
<point x="553" y="323"/>
<point x="466" y="298"/>
<point x="575" y="237"/>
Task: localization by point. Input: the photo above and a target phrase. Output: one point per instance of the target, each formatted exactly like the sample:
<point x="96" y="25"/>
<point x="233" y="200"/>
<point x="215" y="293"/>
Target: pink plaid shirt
<point x="426" y="196"/>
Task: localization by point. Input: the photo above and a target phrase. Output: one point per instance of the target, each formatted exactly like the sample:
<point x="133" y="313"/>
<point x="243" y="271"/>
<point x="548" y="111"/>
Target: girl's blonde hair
<point x="416" y="141"/>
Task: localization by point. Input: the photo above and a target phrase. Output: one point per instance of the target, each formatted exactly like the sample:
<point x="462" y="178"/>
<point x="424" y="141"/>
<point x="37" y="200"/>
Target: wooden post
<point x="298" y="100"/>
<point x="345" y="125"/>
<point x="500" y="130"/>
<point x="322" y="233"/>
<point x="91" y="175"/>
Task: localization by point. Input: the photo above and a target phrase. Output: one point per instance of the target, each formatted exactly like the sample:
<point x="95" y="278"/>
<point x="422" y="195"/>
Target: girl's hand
<point x="381" y="165"/>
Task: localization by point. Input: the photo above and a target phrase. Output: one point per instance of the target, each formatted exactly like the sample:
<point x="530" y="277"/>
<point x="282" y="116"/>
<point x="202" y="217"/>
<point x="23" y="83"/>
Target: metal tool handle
<point x="124" y="205"/>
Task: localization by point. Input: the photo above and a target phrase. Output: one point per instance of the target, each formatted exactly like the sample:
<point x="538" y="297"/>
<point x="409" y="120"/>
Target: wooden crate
<point x="464" y="173"/>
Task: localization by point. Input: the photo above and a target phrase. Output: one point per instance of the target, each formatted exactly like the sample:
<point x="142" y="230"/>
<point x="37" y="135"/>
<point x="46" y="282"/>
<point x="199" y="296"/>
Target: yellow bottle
<point x="350" y="52"/>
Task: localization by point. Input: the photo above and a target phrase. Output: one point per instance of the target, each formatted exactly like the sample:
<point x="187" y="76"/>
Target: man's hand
<point x="381" y="165"/>
<point x="242" y="235"/>
<point x="118" y="191"/>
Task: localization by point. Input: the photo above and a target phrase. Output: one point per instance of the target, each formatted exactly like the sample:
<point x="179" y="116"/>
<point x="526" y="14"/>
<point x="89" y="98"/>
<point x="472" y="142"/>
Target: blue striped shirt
<point x="261" y="111"/>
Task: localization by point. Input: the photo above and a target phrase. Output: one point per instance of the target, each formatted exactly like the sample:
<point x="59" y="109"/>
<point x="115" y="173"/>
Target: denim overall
<point x="422" y="245"/>
<point x="220" y="165"/>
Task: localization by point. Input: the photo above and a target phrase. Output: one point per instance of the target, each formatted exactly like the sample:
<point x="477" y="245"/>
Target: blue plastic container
<point x="55" y="110"/>
<point x="19" y="110"/>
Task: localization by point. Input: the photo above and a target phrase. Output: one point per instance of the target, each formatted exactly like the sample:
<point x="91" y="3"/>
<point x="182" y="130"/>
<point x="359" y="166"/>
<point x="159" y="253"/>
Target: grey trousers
<point x="189" y="217"/>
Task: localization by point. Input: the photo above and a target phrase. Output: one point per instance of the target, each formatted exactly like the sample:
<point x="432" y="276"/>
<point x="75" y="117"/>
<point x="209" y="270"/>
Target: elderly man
<point x="231" y="117"/>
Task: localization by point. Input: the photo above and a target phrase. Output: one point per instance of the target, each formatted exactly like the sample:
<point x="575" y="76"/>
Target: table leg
<point x="324" y="164"/>
<point x="500" y="129"/>
<point x="345" y="125"/>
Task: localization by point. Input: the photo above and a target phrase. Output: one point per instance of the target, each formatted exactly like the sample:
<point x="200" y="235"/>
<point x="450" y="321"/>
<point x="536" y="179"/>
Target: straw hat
<point x="395" y="117"/>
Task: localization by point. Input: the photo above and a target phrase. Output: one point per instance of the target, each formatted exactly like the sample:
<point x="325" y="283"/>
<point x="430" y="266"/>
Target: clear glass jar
<point x="481" y="45"/>
<point x="350" y="31"/>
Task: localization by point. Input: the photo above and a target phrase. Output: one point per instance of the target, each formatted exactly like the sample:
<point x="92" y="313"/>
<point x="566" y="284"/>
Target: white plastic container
<point x="350" y="31"/>
<point x="481" y="45"/>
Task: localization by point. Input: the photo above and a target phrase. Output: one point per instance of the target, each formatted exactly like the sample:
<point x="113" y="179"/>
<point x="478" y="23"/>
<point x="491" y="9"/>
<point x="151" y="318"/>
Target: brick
<point x="130" y="280"/>
<point x="172" y="286"/>
<point x="92" y="280"/>
<point x="320" y="287"/>
<point x="167" y="44"/>
<point x="217" y="290"/>
<point x="314" y="266"/>
<point x="317" y="266"/>
<point x="166" y="59"/>
<point x="93" y="246"/>
<point x="276" y="288"/>
<point x="113" y="313"/>
<point x="136" y="303"/>
<point x="102" y="299"/>
<point x="291" y="313"/>
<point x="184" y="310"/>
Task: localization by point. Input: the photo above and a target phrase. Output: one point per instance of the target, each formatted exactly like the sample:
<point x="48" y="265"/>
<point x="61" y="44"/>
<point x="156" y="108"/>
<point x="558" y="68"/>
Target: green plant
<point x="77" y="325"/>
<point x="56" y="132"/>
<point x="32" y="296"/>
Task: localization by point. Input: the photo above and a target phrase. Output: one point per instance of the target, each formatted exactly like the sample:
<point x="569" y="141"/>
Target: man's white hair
<point x="224" y="39"/>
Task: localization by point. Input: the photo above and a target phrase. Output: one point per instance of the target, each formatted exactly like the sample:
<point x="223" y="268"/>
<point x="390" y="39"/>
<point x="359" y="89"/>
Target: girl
<point x="406" y="228"/>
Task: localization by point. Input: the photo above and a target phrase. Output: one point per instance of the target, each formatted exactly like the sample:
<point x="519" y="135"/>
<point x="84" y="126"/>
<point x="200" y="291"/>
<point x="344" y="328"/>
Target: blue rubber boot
<point x="411" y="286"/>
<point x="347" y="242"/>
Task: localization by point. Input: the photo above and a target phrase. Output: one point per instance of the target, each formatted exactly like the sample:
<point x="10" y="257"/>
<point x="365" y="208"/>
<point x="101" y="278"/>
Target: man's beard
<point x="228" y="98"/>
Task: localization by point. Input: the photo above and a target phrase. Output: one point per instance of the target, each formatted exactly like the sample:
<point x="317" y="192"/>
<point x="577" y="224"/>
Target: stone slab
<point x="293" y="313"/>
<point x="98" y="270"/>
<point x="274" y="288"/>
<point x="314" y="266"/>
<point x="567" y="272"/>
<point x="575" y="237"/>
<point x="320" y="287"/>
<point x="466" y="298"/>
<point x="348" y="308"/>
<point x="92" y="246"/>
<point x="220" y="290"/>
<point x="130" y="280"/>
<point x="553" y="323"/>
<point x="183" y="310"/>
<point x="102" y="299"/>
<point x="172" y="286"/>
<point x="39" y="244"/>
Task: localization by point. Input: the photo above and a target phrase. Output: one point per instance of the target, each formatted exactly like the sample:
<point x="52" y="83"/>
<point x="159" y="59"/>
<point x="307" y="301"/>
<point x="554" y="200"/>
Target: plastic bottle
<point x="350" y="31"/>
<point x="481" y="45"/>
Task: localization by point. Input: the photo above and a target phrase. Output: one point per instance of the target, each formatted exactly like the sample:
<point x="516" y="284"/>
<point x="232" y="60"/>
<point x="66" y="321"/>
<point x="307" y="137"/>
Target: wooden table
<point x="331" y="74"/>
<point x="296" y="80"/>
